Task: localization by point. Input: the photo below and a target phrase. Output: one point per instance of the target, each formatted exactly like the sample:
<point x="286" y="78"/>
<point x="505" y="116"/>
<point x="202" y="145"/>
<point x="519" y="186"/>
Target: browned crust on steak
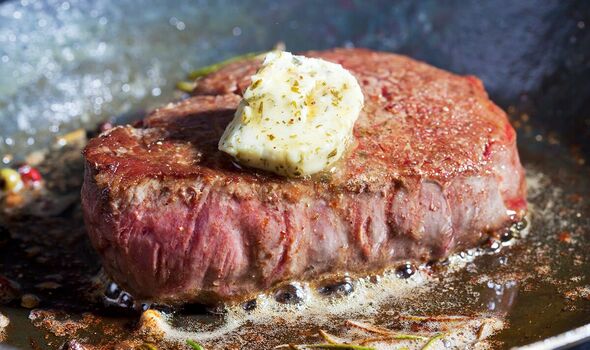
<point x="433" y="169"/>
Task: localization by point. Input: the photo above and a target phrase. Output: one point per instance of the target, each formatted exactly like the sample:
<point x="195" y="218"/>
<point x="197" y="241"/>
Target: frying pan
<point x="66" y="65"/>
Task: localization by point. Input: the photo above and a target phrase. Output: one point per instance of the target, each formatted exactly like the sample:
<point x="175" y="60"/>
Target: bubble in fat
<point x="315" y="306"/>
<point x="369" y="293"/>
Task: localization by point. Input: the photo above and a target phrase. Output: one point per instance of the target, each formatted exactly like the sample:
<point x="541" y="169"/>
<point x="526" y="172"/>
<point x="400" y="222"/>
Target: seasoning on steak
<point x="434" y="169"/>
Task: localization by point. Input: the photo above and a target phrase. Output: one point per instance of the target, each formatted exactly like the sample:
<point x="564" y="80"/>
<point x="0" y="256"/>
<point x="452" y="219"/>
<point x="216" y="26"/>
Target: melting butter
<point x="296" y="117"/>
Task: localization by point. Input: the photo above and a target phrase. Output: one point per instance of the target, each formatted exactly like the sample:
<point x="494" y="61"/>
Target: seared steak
<point x="434" y="169"/>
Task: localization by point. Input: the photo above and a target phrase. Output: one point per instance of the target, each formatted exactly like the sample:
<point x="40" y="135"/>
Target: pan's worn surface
<point x="69" y="64"/>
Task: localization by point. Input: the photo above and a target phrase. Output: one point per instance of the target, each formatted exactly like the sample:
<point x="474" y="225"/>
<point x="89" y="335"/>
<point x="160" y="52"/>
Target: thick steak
<point x="434" y="169"/>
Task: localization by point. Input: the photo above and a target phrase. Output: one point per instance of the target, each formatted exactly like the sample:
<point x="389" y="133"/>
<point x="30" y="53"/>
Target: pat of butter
<point x="297" y="116"/>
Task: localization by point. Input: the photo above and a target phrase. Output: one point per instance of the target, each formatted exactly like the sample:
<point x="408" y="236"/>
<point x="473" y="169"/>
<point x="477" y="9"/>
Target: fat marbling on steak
<point x="434" y="169"/>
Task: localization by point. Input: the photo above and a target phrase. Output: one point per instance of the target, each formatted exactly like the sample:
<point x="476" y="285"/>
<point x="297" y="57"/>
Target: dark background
<point x="531" y="55"/>
<point x="534" y="55"/>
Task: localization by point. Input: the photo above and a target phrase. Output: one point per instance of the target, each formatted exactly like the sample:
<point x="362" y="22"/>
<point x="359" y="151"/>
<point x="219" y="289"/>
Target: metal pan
<point x="66" y="65"/>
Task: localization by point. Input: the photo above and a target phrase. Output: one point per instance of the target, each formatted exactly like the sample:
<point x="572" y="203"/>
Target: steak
<point x="433" y="170"/>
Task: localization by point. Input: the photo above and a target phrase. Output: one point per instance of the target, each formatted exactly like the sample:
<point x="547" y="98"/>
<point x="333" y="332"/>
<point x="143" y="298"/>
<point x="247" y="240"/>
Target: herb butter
<point x="296" y="117"/>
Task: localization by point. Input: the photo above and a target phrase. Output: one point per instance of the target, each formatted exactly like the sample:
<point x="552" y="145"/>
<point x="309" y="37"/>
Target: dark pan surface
<point x="533" y="58"/>
<point x="541" y="284"/>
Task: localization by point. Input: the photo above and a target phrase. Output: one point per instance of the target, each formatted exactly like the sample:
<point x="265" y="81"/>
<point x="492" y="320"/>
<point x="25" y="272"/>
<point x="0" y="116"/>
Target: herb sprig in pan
<point x="384" y="335"/>
<point x="189" y="85"/>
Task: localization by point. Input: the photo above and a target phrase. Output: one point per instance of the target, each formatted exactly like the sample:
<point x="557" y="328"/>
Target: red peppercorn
<point x="29" y="175"/>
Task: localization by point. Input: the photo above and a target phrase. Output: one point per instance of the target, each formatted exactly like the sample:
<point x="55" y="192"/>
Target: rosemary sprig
<point x="369" y="328"/>
<point x="391" y="338"/>
<point x="387" y="335"/>
<point x="185" y="86"/>
<point x="432" y="341"/>
<point x="200" y="72"/>
<point x="188" y="86"/>
<point x="386" y="332"/>
<point x="194" y="345"/>
<point x="328" y="337"/>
